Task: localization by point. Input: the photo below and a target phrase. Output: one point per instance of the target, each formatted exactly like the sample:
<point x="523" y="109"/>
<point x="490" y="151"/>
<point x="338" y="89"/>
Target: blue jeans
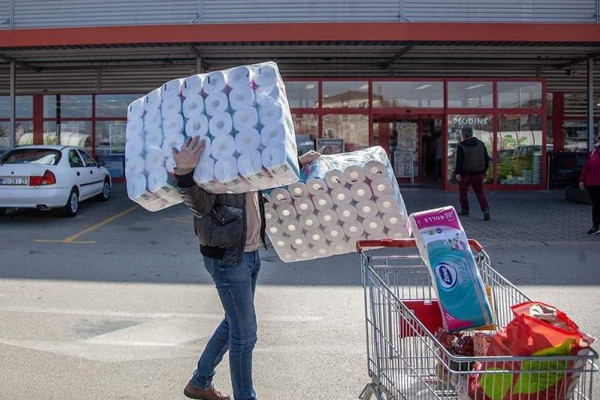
<point x="237" y="331"/>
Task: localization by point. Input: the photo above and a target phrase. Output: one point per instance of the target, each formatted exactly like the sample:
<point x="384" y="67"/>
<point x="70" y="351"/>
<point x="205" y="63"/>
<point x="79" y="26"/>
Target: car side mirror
<point x="101" y="163"/>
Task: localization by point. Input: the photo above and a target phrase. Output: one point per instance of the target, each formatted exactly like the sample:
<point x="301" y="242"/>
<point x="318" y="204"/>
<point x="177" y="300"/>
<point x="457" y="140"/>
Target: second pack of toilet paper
<point x="444" y="248"/>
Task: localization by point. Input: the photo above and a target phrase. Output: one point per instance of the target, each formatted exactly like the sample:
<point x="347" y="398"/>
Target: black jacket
<point x="219" y="220"/>
<point x="471" y="157"/>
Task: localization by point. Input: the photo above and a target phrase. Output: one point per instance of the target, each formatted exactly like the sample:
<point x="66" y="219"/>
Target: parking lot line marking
<point x="72" y="238"/>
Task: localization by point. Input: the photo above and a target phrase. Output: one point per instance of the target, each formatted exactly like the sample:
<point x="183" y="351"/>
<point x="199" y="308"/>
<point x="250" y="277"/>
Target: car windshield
<point x="32" y="156"/>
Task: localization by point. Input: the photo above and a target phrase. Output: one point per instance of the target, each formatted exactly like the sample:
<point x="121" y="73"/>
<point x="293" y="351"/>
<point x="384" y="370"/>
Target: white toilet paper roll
<point x="327" y="217"/>
<point x="269" y="113"/>
<point x="360" y="191"/>
<point x="298" y="241"/>
<point x="216" y="103"/>
<point x="341" y="195"/>
<point x="192" y="85"/>
<point x="305" y="254"/>
<point x="334" y="179"/>
<point x="304" y="206"/>
<point x="292" y="227"/>
<point x="286" y="212"/>
<point x="334" y="233"/>
<point x="197" y="126"/>
<point x="135" y="128"/>
<point x="193" y="106"/>
<point x="316" y="237"/>
<point x="322" y="201"/>
<point x="245" y="118"/>
<point x="269" y="94"/>
<point x="272" y="134"/>
<point x="134" y="147"/>
<point x="173" y="124"/>
<point x="381" y="186"/>
<point x="247" y="140"/>
<point x="387" y="204"/>
<point x="220" y="124"/>
<point x="171" y="89"/>
<point x="353" y="229"/>
<point x="321" y="250"/>
<point x="275" y="157"/>
<point x="354" y="174"/>
<point x="157" y="179"/>
<point x="288" y="255"/>
<point x="239" y="77"/>
<point x="393" y="220"/>
<point x="309" y="222"/>
<point x="135" y="110"/>
<point x="346" y="213"/>
<point x="366" y="209"/>
<point x="153" y="100"/>
<point x="170" y="165"/>
<point x="249" y="163"/>
<point x="204" y="172"/>
<point x="152" y="119"/>
<point x="275" y="229"/>
<point x="134" y="166"/>
<point x="153" y="138"/>
<point x="280" y="196"/>
<point x="264" y="75"/>
<point x="340" y="247"/>
<point x="396" y="233"/>
<point x="225" y="169"/>
<point x="170" y="106"/>
<point x="207" y="152"/>
<point x="373" y="225"/>
<point x="374" y="170"/>
<point x="136" y="185"/>
<point x="223" y="147"/>
<point x="316" y="186"/>
<point x="280" y="242"/>
<point x="172" y="141"/>
<point x="214" y="82"/>
<point x="298" y="190"/>
<point x="241" y="97"/>
<point x="154" y="159"/>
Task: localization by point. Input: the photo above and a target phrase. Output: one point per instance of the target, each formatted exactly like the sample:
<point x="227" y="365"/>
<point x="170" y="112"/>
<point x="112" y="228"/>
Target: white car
<point x="47" y="177"/>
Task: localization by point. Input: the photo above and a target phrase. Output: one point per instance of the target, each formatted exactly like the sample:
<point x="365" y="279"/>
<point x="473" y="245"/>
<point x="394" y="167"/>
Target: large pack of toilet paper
<point x="338" y="200"/>
<point x="444" y="248"/>
<point x="241" y="113"/>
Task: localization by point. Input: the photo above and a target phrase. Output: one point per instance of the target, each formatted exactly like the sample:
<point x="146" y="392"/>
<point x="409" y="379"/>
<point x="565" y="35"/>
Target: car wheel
<point x="72" y="205"/>
<point x="105" y="194"/>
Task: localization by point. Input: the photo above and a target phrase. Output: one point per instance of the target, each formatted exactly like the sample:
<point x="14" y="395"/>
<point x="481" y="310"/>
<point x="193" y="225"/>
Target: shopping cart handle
<point x="400" y="243"/>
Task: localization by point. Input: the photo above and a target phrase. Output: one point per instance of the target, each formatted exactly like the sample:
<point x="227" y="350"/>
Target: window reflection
<point x="23" y="107"/>
<point x="519" y="149"/>
<point x="426" y="94"/>
<point x="346" y="94"/>
<point x="353" y="128"/>
<point x="483" y="129"/>
<point x="470" y="94"/>
<point x="67" y="106"/>
<point x="113" y="105"/>
<point x="306" y="127"/>
<point x="519" y="95"/>
<point x="303" y="94"/>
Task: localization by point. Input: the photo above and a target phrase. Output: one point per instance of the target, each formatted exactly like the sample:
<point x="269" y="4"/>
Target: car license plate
<point x="14" y="180"/>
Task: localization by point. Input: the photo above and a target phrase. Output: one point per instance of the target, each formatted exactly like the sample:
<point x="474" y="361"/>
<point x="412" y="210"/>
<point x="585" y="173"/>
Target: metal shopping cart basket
<point x="405" y="360"/>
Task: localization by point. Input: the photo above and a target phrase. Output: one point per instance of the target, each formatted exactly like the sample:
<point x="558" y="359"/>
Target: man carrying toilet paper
<point x="230" y="228"/>
<point x="472" y="161"/>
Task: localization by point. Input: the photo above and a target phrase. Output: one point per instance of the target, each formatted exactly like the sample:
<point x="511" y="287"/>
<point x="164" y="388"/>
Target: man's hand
<point x="187" y="158"/>
<point x="308" y="157"/>
<point x="581" y="185"/>
<point x="485" y="176"/>
<point x="458" y="178"/>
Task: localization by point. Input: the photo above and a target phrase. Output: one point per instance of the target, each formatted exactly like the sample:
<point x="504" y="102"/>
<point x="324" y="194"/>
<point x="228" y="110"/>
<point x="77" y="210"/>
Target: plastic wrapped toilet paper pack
<point x="242" y="113"/>
<point x="338" y="200"/>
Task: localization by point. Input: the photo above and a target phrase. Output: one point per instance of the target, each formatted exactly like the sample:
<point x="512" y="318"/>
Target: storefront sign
<point x="472" y="121"/>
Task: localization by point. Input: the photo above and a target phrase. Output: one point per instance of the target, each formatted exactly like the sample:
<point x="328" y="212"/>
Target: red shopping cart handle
<point x="400" y="243"/>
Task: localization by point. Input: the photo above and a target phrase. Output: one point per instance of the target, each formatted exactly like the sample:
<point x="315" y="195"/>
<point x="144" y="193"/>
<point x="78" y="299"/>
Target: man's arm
<point x="487" y="158"/>
<point x="460" y="159"/>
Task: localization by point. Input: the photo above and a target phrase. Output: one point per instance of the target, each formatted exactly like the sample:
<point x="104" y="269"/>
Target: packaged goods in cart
<point x="338" y="200"/>
<point x="444" y="248"/>
<point x="241" y="113"/>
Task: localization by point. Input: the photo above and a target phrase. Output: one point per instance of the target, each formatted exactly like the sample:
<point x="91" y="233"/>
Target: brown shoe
<point x="206" y="394"/>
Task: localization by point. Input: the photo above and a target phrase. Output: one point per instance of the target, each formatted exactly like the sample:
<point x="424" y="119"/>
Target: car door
<point x="94" y="177"/>
<point x="78" y="166"/>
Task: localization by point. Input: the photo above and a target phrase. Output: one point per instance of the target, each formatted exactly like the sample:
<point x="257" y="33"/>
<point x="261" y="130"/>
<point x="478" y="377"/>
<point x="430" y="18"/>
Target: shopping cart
<point x="405" y="360"/>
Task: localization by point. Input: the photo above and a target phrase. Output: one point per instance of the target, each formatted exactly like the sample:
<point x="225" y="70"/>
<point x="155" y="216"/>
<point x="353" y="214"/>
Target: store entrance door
<point x="414" y="146"/>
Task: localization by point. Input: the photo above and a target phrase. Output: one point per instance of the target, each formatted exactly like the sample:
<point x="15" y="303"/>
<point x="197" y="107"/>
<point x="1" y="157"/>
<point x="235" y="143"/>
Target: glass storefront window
<point x="306" y="127"/>
<point x="67" y="106"/>
<point x="576" y="135"/>
<point x="23" y="133"/>
<point x="470" y="94"/>
<point x="576" y="105"/>
<point x="74" y="133"/>
<point x="425" y="94"/>
<point x="110" y="146"/>
<point x="519" y="94"/>
<point x="113" y="105"/>
<point x="345" y="94"/>
<point x="519" y="149"/>
<point x="483" y="129"/>
<point x="23" y="107"/>
<point x="353" y="128"/>
<point x="303" y="94"/>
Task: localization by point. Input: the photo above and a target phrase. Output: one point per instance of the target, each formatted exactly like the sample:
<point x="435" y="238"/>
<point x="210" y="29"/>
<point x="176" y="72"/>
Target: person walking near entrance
<point x="472" y="161"/>
<point x="590" y="180"/>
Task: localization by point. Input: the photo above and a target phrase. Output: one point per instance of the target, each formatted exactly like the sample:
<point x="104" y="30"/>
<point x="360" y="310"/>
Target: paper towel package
<point x="243" y="115"/>
<point x="338" y="200"/>
<point x="444" y="248"/>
